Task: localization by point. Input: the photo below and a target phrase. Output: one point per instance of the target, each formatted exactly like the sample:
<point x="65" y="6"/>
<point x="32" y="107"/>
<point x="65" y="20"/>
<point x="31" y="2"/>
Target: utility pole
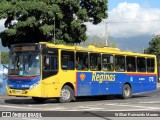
<point x="54" y="29"/>
<point x="0" y="57"/>
<point x="106" y="35"/>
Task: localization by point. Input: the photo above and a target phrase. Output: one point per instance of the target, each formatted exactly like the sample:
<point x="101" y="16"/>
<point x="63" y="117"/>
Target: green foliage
<point x="154" y="48"/>
<point x="96" y="9"/>
<point x="30" y="21"/>
<point x="4" y="57"/>
<point x="154" y="45"/>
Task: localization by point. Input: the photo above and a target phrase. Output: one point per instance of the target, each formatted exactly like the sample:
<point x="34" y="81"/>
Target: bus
<point x="45" y="70"/>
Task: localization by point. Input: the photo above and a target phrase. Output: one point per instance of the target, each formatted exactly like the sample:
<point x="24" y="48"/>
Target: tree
<point x="37" y="20"/>
<point x="154" y="48"/>
<point x="4" y="56"/>
<point x="154" y="45"/>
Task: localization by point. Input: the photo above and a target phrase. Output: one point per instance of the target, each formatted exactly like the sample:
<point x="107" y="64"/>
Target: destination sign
<point x="24" y="48"/>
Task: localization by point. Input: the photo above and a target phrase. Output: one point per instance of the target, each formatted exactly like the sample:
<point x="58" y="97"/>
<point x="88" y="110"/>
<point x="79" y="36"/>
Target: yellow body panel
<point x="36" y="92"/>
<point x="49" y="87"/>
<point x="53" y="85"/>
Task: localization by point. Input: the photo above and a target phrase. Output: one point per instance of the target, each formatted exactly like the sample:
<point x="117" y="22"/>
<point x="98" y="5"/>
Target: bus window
<point x="119" y="63"/>
<point x="107" y="62"/>
<point x="46" y="63"/>
<point x="50" y="63"/>
<point x="81" y="60"/>
<point x="131" y="65"/>
<point x="141" y="64"/>
<point x="150" y="65"/>
<point x="95" y="61"/>
<point x="67" y="60"/>
<point x="54" y="63"/>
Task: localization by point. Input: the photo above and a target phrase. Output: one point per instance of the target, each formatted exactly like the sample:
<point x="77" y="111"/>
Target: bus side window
<point x="50" y="63"/>
<point x="119" y="63"/>
<point x="141" y="64"/>
<point x="46" y="62"/>
<point x="81" y="60"/>
<point x="67" y="60"/>
<point x="131" y="64"/>
<point x="150" y="65"/>
<point x="95" y="61"/>
<point x="54" y="63"/>
<point x="107" y="62"/>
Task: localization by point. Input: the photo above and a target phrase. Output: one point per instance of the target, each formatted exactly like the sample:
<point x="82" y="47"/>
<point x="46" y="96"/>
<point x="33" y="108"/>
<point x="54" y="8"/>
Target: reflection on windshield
<point x="24" y="64"/>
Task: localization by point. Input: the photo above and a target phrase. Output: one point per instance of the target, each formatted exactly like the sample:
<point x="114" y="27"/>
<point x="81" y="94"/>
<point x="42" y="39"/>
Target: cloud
<point x="128" y="20"/>
<point x="96" y="29"/>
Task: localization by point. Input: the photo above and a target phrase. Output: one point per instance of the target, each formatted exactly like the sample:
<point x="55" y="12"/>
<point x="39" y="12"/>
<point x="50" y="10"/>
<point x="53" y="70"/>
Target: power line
<point x="132" y="21"/>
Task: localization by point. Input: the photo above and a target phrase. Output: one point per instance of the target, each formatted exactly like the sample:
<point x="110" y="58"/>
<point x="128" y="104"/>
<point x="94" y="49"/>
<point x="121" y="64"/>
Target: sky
<point x="143" y="3"/>
<point x="126" y="18"/>
<point x="129" y="18"/>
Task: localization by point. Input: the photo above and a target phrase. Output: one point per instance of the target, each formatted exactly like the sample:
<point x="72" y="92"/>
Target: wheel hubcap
<point x="65" y="94"/>
<point x="127" y="92"/>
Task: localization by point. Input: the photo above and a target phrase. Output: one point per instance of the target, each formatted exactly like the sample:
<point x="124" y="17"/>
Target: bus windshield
<point x="24" y="64"/>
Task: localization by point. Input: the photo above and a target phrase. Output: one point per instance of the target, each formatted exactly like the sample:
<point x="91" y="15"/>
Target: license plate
<point x="18" y="91"/>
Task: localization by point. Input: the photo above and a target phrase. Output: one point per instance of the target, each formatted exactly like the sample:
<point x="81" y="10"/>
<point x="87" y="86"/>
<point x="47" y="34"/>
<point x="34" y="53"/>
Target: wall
<point x="3" y="79"/>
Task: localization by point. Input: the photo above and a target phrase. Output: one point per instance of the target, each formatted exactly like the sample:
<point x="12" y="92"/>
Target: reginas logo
<point x="82" y="76"/>
<point x="101" y="77"/>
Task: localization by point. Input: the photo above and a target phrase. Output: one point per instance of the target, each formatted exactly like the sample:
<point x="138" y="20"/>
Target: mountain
<point x="135" y="44"/>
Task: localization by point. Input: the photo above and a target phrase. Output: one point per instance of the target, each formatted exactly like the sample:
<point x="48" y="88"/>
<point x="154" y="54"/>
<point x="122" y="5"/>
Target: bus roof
<point x="92" y="48"/>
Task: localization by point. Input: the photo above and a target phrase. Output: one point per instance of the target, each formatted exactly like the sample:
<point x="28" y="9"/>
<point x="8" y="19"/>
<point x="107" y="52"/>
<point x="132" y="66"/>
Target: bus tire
<point x="126" y="91"/>
<point x="67" y="94"/>
<point x="39" y="100"/>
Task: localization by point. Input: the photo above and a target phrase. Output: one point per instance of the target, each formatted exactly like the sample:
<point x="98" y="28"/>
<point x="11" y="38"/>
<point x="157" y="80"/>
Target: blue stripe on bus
<point x="103" y="83"/>
<point x="22" y="82"/>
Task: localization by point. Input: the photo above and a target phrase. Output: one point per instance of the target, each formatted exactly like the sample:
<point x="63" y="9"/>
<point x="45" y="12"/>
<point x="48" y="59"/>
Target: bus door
<point x="68" y="74"/>
<point x="49" y="69"/>
<point x="50" y="63"/>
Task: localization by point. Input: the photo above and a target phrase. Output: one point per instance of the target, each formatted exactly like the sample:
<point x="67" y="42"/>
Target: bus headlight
<point x="34" y="85"/>
<point x="10" y="86"/>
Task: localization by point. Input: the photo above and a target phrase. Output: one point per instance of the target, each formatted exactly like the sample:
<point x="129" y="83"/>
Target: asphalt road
<point x="140" y="102"/>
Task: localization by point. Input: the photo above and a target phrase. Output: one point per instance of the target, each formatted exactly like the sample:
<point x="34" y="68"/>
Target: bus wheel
<point x="126" y="92"/>
<point x="67" y="94"/>
<point x="39" y="100"/>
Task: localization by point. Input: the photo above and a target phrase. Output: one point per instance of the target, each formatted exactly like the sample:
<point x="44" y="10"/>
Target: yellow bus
<point x="44" y="70"/>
